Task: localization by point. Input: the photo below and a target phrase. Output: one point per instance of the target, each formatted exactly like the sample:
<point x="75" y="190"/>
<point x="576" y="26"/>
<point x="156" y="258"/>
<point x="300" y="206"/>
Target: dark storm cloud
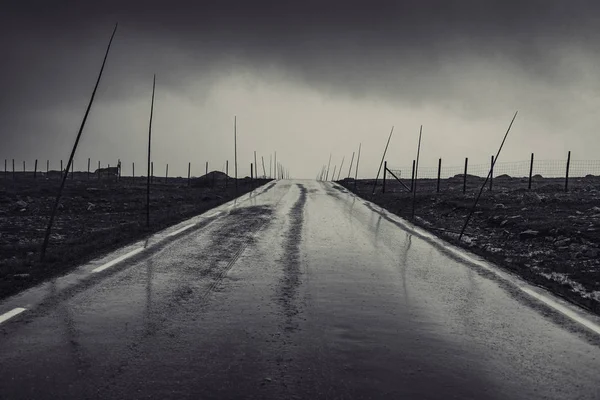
<point x="405" y="50"/>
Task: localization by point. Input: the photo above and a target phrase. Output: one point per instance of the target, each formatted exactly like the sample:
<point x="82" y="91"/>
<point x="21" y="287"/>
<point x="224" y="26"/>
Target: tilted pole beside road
<point x="64" y="178"/>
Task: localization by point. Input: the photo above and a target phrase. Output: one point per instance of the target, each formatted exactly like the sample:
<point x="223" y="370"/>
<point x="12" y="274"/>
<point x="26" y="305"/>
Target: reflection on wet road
<point x="304" y="292"/>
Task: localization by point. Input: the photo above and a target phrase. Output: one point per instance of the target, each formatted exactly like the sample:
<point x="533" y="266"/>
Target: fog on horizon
<point x="305" y="79"/>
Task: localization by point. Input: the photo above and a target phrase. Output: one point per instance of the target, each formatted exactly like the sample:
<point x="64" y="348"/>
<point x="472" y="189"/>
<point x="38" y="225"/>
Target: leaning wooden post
<point x="56" y="203"/>
<point x="235" y="165"/>
<point x="6" y="169"/>
<point x="382" y="158"/>
<point x="351" y="162"/>
<point x="98" y="169"/>
<point x="412" y="177"/>
<point x="35" y="170"/>
<point x="484" y="182"/>
<point x="133" y="172"/>
<point x="167" y="174"/>
<point x="439" y="173"/>
<point x="47" y="166"/>
<point x="341" y="166"/>
<point x="251" y="174"/>
<point x="492" y="173"/>
<point x="567" y="172"/>
<point x="226" y="173"/>
<point x="152" y="172"/>
<point x="465" y="175"/>
<point x="263" y="165"/>
<point x="384" y="174"/>
<point x="357" y="162"/>
<point x="13" y="164"/>
<point x="333" y="175"/>
<point x="23" y="168"/>
<point x="416" y="173"/>
<point x="150" y="163"/>
<point x="88" y="171"/>
<point x="530" y="172"/>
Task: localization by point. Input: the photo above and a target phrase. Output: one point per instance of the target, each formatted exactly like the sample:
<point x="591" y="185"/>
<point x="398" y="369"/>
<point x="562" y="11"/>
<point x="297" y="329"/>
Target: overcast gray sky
<point x="305" y="79"/>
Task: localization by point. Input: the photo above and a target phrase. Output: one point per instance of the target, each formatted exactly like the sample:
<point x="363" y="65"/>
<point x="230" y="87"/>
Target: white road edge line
<point x="8" y="315"/>
<point x="588" y="324"/>
<point x="181" y="230"/>
<point x="462" y="254"/>
<point x="118" y="260"/>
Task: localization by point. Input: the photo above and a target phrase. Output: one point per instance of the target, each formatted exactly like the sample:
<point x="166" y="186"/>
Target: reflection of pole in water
<point x="71" y="334"/>
<point x="149" y="279"/>
<point x="404" y="264"/>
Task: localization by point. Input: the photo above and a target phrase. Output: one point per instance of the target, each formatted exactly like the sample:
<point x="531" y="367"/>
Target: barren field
<point x="94" y="216"/>
<point x="546" y="235"/>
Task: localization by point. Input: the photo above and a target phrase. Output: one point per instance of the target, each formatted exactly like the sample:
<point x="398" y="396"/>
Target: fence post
<point x="88" y="170"/>
<point x="439" y="173"/>
<point x="23" y="168"/>
<point x="47" y="167"/>
<point x="133" y="172"/>
<point x="412" y="178"/>
<point x="151" y="171"/>
<point x="98" y="169"/>
<point x="465" y="175"/>
<point x="251" y="173"/>
<point x="5" y="168"/>
<point x="567" y="173"/>
<point x="384" y="173"/>
<point x="167" y="173"/>
<point x="35" y="170"/>
<point x="189" y="171"/>
<point x="226" y="173"/>
<point x="13" y="160"/>
<point x="492" y="173"/>
<point x="61" y="168"/>
<point x="530" y="172"/>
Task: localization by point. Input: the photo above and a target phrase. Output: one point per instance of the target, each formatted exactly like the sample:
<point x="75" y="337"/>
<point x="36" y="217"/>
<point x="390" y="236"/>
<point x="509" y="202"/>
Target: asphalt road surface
<point x="302" y="291"/>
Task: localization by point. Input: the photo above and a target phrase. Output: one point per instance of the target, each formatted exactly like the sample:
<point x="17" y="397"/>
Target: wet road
<point x="300" y="292"/>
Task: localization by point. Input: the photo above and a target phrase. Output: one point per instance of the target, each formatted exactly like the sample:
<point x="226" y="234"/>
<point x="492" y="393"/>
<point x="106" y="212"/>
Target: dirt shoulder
<point x="546" y="235"/>
<point x="94" y="217"/>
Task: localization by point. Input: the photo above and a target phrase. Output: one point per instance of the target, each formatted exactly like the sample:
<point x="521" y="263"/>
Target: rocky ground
<point x="94" y="217"/>
<point x="546" y="235"/>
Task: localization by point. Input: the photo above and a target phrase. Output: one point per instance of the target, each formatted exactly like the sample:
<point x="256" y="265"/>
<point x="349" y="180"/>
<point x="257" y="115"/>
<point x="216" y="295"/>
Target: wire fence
<point x="527" y="171"/>
<point x="518" y="169"/>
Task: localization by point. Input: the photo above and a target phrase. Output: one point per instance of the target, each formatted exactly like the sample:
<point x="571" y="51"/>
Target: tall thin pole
<point x="275" y="166"/>
<point x="88" y="171"/>
<point x="235" y="150"/>
<point x="270" y="166"/>
<point x="341" y="166"/>
<point x="357" y="162"/>
<point x="328" y="164"/>
<point x="382" y="158"/>
<point x="149" y="177"/>
<point x="189" y="172"/>
<point x="64" y="178"/>
<point x="351" y="162"/>
<point x="486" y="179"/>
<point x="416" y="173"/>
<point x="333" y="175"/>
<point x="263" y="165"/>
<point x="255" y="167"/>
<point x="167" y="173"/>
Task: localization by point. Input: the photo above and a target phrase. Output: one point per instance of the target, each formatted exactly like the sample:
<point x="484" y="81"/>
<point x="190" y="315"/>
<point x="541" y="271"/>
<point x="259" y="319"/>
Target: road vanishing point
<point x="300" y="290"/>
